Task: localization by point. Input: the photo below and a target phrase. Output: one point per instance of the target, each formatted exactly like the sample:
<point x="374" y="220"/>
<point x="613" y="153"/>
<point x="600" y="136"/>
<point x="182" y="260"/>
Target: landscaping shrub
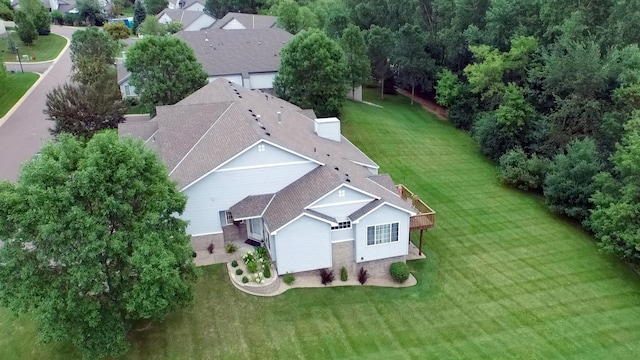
<point x="230" y="248"/>
<point x="245" y="279"/>
<point x="363" y="275"/>
<point x="399" y="271"/>
<point x="343" y="274"/>
<point x="266" y="270"/>
<point x="239" y="272"/>
<point x="252" y="267"/>
<point x="326" y="276"/>
<point x="234" y="263"/>
<point x="525" y="172"/>
<point x="288" y="279"/>
<point x="263" y="255"/>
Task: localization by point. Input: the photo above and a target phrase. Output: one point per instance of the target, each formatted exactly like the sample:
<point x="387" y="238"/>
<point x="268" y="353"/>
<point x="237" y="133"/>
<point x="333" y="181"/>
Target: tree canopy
<point x="153" y="7"/>
<point x="355" y="49"/>
<point x="313" y="73"/>
<point x="92" y="245"/>
<point x="139" y="14"/>
<point x="164" y="70"/>
<point x="82" y="109"/>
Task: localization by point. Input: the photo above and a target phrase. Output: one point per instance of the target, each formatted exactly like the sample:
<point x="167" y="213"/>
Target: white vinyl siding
<point x="262" y="80"/>
<point x="303" y="245"/>
<point x="220" y="190"/>
<point x="262" y="154"/>
<point x="381" y="221"/>
<point x="204" y="21"/>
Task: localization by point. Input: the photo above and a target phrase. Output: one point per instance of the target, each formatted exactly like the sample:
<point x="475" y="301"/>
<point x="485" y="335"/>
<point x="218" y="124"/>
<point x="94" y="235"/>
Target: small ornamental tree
<point x="92" y="242"/>
<point x="86" y="108"/>
<point x="27" y="31"/>
<point x="313" y="73"/>
<point x="117" y="30"/>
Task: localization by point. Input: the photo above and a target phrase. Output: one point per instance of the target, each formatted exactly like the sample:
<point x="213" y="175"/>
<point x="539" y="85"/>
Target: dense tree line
<point x="547" y="88"/>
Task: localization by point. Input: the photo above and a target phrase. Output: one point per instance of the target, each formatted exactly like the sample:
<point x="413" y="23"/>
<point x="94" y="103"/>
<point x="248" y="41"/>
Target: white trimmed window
<point x="228" y="218"/>
<point x="342" y="193"/>
<point x="262" y="148"/>
<point x="382" y="234"/>
<point x="342" y="225"/>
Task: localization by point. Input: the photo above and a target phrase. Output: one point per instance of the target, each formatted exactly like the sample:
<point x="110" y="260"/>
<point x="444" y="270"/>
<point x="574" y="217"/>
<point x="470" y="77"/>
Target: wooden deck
<point x="425" y="217"/>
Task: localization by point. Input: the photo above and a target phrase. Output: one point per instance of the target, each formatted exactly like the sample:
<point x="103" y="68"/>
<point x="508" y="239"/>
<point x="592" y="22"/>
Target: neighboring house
<point x="3" y="29"/>
<point x="249" y="58"/>
<point x="61" y="5"/>
<point x="128" y="91"/>
<point x="240" y="21"/>
<point x="191" y="5"/>
<point x="190" y="20"/>
<point x="254" y="166"/>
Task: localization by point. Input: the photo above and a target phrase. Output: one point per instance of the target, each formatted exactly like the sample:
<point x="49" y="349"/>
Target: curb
<point x="35" y="85"/>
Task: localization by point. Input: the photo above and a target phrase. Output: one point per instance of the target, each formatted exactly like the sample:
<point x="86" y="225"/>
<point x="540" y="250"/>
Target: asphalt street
<point x="26" y="130"/>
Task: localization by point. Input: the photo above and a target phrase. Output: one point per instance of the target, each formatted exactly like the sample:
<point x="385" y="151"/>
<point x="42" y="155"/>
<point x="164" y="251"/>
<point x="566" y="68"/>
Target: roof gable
<point x="341" y="195"/>
<point x="248" y="21"/>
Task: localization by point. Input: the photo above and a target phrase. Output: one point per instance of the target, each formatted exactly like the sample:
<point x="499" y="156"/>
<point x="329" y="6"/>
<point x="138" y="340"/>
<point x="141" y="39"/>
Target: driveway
<point x="26" y="129"/>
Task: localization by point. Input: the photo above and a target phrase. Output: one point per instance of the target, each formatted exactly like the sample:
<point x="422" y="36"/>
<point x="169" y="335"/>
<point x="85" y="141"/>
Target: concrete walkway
<point x="303" y="280"/>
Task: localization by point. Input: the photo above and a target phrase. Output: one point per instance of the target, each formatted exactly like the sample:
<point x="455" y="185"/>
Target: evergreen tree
<point x="139" y="14"/>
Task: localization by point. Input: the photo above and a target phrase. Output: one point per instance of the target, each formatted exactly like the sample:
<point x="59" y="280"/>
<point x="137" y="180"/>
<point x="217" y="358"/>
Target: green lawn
<point x="45" y="48"/>
<point x="503" y="278"/>
<point x="13" y="87"/>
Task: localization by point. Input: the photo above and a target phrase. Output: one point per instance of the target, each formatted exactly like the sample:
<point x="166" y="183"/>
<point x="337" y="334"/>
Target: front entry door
<point x="255" y="229"/>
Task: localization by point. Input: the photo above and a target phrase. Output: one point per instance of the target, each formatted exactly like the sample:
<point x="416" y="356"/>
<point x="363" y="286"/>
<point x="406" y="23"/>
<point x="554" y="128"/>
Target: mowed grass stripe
<point x="504" y="278"/>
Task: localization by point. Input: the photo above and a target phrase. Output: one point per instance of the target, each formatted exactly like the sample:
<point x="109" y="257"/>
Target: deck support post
<point x="420" y="250"/>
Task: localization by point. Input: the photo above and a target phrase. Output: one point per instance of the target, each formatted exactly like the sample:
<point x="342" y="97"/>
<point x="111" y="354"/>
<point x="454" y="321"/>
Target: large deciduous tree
<point x="380" y="44"/>
<point x="355" y="49"/>
<point x="92" y="243"/>
<point x="83" y="109"/>
<point x="412" y="63"/>
<point x="91" y="12"/>
<point x="313" y="73"/>
<point x="39" y="15"/>
<point x="93" y="54"/>
<point x="155" y="6"/>
<point x="289" y="18"/>
<point x="164" y="70"/>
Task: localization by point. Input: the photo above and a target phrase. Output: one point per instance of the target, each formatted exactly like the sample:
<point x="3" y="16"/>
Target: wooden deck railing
<point x="425" y="217"/>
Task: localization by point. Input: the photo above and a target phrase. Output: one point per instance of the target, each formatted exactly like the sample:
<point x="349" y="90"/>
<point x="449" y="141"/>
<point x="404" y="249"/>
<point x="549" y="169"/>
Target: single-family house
<point x="190" y="20"/>
<point x="257" y="167"/>
<point x="61" y="5"/>
<point x="249" y="58"/>
<point x="241" y="21"/>
<point x="191" y="5"/>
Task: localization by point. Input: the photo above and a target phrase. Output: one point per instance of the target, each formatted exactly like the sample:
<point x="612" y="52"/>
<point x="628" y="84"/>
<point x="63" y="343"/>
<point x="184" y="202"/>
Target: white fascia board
<point x="336" y="189"/>
<point x="331" y="223"/>
<point x="355" y="221"/>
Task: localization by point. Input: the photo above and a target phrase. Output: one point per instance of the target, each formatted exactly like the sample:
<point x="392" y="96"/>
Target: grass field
<point x="44" y="48"/>
<point x="13" y="87"/>
<point x="503" y="278"/>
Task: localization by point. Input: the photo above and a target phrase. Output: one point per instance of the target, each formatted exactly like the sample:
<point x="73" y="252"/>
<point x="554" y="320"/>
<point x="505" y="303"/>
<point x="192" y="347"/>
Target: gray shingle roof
<point x="365" y="209"/>
<point x="249" y="21"/>
<point x="217" y="122"/>
<point x="223" y="52"/>
<point x="185" y="17"/>
<point x="250" y="207"/>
